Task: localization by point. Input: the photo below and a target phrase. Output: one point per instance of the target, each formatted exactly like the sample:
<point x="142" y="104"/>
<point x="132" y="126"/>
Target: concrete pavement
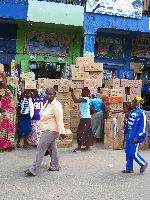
<point x="93" y="175"/>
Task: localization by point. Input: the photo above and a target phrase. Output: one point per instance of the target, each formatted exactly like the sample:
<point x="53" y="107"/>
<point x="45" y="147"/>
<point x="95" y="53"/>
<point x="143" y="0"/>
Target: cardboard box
<point x="28" y="76"/>
<point x="138" y="83"/>
<point x="94" y="90"/>
<point x="95" y="67"/>
<point x="135" y="91"/>
<point x="96" y="75"/>
<point x="77" y="68"/>
<point x="108" y="133"/>
<point x="112" y="114"/>
<point x="124" y="83"/>
<point x="13" y="80"/>
<point x="77" y="85"/>
<point x="112" y="83"/>
<point x="66" y="123"/>
<point x="42" y="81"/>
<point x="64" y="143"/>
<point x="84" y="60"/>
<point x="115" y="99"/>
<point x="104" y="91"/>
<point x="30" y="85"/>
<point x="52" y="82"/>
<point x="75" y="106"/>
<point x="114" y="107"/>
<point x="63" y="88"/>
<point x="74" y="130"/>
<point x="80" y="76"/>
<point x="112" y="141"/>
<point x="116" y="93"/>
<point x="63" y="96"/>
<point x="147" y="115"/>
<point x="131" y="83"/>
<point x="92" y="83"/>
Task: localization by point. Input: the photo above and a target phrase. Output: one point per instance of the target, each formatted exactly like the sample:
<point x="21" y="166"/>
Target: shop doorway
<point x="51" y="70"/>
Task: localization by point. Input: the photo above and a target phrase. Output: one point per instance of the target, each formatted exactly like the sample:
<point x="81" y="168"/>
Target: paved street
<point x="93" y="175"/>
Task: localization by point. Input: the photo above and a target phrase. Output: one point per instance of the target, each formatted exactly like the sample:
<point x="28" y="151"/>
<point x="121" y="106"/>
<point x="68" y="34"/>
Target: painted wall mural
<point x="46" y="44"/>
<point x="141" y="47"/>
<point x="125" y="8"/>
<point x="109" y="48"/>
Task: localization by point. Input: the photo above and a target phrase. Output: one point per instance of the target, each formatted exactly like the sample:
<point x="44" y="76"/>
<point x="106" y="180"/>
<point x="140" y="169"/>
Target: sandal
<point x="18" y="145"/>
<point x="76" y="150"/>
<point x="127" y="171"/>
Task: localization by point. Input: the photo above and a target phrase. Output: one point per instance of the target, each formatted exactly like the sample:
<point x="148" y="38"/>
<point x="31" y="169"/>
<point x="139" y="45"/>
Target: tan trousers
<point x="47" y="142"/>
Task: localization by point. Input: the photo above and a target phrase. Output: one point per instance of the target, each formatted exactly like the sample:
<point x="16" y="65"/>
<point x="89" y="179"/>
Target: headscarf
<point x="139" y="101"/>
<point x="94" y="95"/>
<point x="86" y="92"/>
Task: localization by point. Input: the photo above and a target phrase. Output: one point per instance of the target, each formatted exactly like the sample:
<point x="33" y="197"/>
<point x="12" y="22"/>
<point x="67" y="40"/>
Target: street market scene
<point x="74" y="99"/>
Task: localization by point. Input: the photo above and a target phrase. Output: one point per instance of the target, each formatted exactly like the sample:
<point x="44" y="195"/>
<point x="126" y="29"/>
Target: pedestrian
<point x="135" y="133"/>
<point x="7" y="134"/>
<point x="51" y="124"/>
<point x="84" y="131"/>
<point x="26" y="112"/>
<point x="97" y="107"/>
<point x="38" y="102"/>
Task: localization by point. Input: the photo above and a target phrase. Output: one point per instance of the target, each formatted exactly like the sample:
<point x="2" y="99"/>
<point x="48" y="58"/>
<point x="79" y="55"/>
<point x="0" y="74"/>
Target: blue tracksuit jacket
<point x="136" y="125"/>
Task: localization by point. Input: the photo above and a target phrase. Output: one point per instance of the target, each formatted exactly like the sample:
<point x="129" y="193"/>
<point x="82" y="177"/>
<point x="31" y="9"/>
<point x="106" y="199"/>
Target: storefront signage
<point x="125" y="8"/>
<point x="141" y="47"/>
<point x="109" y="48"/>
<point x="41" y="43"/>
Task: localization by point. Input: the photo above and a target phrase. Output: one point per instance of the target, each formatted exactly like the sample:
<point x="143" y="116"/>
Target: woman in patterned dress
<point x="7" y="134"/>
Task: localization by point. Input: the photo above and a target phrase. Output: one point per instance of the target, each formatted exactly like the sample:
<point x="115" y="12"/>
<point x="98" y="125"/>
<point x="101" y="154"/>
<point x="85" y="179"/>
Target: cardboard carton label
<point x="84" y="60"/>
<point x="95" y="67"/>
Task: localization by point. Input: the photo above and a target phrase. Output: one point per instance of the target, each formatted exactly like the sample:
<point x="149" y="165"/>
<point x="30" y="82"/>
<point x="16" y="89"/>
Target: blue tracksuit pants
<point x="132" y="154"/>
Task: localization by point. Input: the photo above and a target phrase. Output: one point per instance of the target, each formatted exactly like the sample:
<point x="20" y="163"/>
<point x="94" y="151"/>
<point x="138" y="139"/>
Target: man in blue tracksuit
<point x="135" y="133"/>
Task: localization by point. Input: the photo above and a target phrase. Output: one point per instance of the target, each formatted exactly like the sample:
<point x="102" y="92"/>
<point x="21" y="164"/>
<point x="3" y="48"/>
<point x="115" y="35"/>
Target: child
<point x="135" y="133"/>
<point x="25" y="116"/>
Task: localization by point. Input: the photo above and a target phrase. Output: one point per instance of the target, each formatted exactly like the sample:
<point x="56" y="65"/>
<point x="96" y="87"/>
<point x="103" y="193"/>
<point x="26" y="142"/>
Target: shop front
<point x="141" y="56"/>
<point x="47" y="50"/>
<point x="110" y="36"/>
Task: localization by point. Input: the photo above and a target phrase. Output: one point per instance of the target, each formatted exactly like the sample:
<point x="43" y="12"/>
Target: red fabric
<point x="6" y="125"/>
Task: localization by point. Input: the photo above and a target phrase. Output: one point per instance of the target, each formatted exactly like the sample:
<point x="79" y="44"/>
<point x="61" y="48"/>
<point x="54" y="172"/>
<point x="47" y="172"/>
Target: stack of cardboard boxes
<point x="116" y="92"/>
<point x="85" y="73"/>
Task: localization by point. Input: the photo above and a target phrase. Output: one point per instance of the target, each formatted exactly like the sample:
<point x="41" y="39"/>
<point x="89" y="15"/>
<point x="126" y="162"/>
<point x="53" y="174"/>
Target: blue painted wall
<point x="8" y="36"/>
<point x="13" y="9"/>
<point x="93" y="22"/>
